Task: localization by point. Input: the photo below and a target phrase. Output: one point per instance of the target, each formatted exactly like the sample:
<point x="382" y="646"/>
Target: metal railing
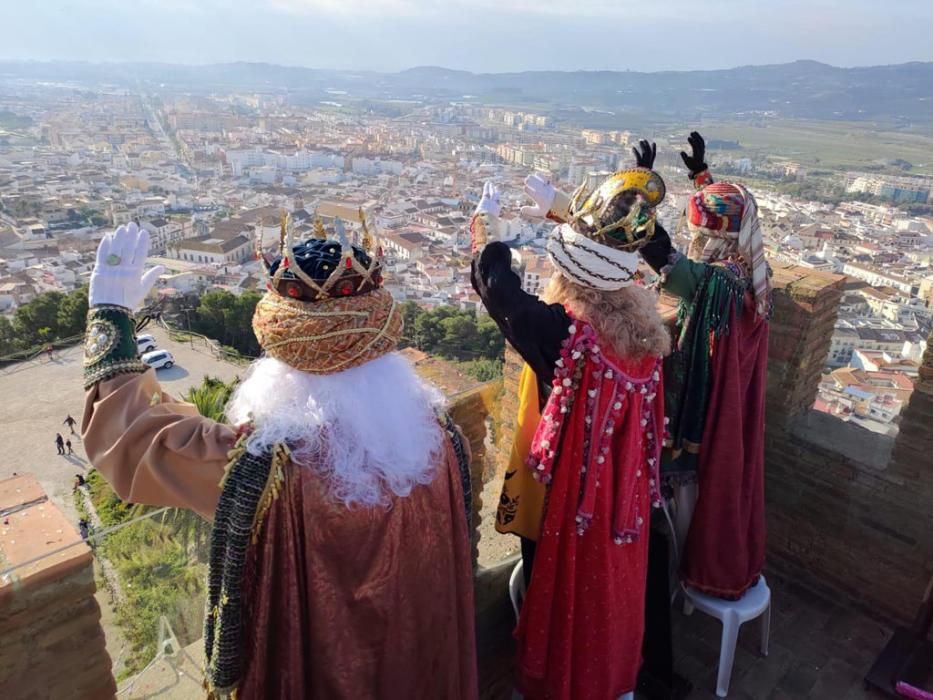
<point x="151" y="571"/>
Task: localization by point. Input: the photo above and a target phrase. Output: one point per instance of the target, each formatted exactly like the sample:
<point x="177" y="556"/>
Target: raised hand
<point x="695" y="162"/>
<point x="645" y="154"/>
<point x="540" y="189"/>
<point x="489" y="202"/>
<point x="118" y="277"/>
<point x="657" y="251"/>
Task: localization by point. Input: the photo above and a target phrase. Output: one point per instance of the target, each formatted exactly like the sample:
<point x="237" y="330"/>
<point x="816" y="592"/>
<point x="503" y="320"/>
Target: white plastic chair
<point x="517" y="588"/>
<point x="733" y="614"/>
<point x="517" y="595"/>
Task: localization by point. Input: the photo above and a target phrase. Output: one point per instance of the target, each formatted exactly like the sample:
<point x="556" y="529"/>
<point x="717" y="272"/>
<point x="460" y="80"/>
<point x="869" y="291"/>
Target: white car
<point x="145" y="343"/>
<point x="159" y="359"/>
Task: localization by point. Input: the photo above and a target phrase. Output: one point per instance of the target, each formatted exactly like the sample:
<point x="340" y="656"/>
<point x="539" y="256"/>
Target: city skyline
<point x="515" y="35"/>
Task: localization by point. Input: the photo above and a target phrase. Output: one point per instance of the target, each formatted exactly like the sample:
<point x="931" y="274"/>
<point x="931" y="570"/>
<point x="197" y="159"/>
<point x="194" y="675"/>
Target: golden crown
<point x="324" y="266"/>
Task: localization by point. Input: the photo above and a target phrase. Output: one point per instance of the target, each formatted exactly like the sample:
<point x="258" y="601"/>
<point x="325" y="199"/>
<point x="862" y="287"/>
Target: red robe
<point x="580" y="631"/>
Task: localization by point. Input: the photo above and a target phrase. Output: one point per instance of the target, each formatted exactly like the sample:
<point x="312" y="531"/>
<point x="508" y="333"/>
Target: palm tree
<point x="211" y="397"/>
<point x="184" y="526"/>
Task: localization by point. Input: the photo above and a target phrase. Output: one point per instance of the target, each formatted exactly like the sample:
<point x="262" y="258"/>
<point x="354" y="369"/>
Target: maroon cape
<point x="361" y="602"/>
<point x="725" y="549"/>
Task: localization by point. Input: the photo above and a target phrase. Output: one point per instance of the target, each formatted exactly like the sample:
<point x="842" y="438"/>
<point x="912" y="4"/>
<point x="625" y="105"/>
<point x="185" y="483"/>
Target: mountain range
<point x="803" y="89"/>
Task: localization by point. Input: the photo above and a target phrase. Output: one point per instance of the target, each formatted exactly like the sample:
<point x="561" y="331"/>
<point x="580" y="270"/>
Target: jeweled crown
<point x="324" y="266"/>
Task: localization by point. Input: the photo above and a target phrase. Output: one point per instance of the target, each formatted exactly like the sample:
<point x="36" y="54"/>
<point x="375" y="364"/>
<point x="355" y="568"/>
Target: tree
<point x="72" y="314"/>
<point x="41" y="312"/>
<point x="460" y="337"/>
<point x="49" y="317"/>
<point x="410" y="314"/>
<point x="427" y="332"/>
<point x="211" y="397"/>
<point x="7" y="336"/>
<point x="228" y="319"/>
<point x="483" y="369"/>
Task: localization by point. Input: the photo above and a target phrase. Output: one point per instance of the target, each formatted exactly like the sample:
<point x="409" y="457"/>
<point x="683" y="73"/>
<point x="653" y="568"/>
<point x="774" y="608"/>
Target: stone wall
<point x="911" y="486"/>
<point x="845" y="515"/>
<point x="51" y="641"/>
<point x="848" y="523"/>
<point x="805" y="304"/>
<point x="475" y="411"/>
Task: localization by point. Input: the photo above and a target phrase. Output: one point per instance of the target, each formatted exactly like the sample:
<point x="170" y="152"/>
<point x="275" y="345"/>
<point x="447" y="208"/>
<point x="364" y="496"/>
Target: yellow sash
<point x="521" y="506"/>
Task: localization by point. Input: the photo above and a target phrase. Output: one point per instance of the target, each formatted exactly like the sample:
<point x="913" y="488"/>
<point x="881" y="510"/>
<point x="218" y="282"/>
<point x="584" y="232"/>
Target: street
<point x="39" y="394"/>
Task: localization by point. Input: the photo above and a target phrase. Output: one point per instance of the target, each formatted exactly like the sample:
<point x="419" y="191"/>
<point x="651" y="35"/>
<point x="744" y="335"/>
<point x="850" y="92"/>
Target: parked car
<point x="145" y="343"/>
<point x="159" y="359"/>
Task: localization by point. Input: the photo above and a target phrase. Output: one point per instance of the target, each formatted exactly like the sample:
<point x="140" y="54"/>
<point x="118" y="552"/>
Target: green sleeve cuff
<point x="110" y="345"/>
<point x="683" y="277"/>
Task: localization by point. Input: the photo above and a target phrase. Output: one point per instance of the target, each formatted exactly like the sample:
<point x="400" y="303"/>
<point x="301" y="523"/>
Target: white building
<point x="878" y="278"/>
<point x="404" y="246"/>
<point x="214" y="251"/>
<point x="162" y="233"/>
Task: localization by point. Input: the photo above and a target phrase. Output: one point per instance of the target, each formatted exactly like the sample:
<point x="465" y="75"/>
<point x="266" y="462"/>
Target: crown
<point x="633" y="230"/>
<point x="324" y="266"/>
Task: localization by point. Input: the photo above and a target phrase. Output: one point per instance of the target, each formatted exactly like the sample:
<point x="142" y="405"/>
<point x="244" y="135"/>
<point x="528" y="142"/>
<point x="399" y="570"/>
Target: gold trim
<point x="280" y="455"/>
<point x="268" y="301"/>
<point x="98" y="327"/>
<point x="692" y="447"/>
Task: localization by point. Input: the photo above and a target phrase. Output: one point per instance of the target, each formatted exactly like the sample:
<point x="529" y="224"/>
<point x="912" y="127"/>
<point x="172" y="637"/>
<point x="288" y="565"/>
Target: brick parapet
<point x="51" y="640"/>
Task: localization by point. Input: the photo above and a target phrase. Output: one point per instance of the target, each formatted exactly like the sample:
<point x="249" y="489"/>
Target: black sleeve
<point x="535" y="329"/>
<point x="657" y="251"/>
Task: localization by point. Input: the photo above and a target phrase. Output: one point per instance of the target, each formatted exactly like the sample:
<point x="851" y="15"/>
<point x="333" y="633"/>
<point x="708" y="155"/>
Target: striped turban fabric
<point x="723" y="219"/>
<point x="588" y="263"/>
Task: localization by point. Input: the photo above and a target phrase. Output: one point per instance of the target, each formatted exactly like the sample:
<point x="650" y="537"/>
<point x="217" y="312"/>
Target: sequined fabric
<point x="581" y="626"/>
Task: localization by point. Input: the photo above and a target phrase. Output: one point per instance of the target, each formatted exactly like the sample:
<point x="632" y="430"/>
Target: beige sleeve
<point x="154" y="449"/>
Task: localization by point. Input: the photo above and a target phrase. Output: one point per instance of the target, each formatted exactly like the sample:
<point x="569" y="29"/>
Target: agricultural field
<point x="828" y="145"/>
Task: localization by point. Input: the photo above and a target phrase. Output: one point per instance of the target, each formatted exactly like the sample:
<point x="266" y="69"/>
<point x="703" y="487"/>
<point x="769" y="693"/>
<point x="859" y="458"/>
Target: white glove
<point x="118" y="276"/>
<point x="489" y="202"/>
<point x="540" y="189"/>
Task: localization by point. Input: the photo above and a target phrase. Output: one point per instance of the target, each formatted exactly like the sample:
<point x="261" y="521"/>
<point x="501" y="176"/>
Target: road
<point x="37" y="395"/>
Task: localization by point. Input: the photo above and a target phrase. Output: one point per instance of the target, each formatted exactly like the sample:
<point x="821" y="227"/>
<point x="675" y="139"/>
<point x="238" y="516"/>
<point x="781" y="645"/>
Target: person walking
<point x="70" y="422"/>
<point x="60" y="443"/>
<point x="68" y="445"/>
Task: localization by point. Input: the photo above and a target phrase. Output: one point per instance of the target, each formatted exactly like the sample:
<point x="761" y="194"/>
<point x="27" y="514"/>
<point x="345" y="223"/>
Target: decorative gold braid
<point x="323" y="336"/>
<point x="268" y="301"/>
<point x="280" y="456"/>
<point x="321" y="343"/>
<point x="382" y="333"/>
<point x="232" y="456"/>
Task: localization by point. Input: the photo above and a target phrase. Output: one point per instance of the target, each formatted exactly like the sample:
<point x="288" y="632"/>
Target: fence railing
<point x="220" y="351"/>
<point x="37" y="350"/>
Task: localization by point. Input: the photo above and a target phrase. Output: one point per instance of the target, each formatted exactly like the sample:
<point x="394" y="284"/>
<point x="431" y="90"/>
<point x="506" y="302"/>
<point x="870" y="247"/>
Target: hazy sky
<point x="478" y="35"/>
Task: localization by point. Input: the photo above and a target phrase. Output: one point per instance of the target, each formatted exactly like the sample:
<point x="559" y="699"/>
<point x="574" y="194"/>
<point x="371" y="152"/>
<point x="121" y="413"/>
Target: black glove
<point x="657" y="251"/>
<point x="695" y="162"/>
<point x="490" y="262"/>
<point x="645" y="154"/>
